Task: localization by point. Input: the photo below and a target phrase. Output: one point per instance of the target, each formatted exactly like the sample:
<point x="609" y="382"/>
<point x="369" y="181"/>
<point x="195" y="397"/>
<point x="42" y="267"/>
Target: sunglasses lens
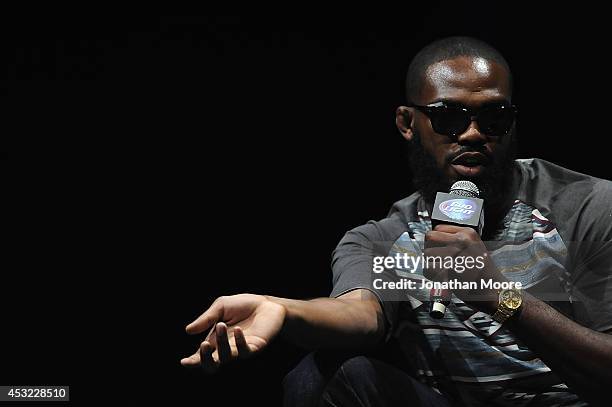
<point x="496" y="121"/>
<point x="450" y="122"/>
<point x="492" y="120"/>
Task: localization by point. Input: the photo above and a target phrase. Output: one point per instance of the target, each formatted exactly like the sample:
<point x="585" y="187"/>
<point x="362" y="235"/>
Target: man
<point x="548" y="343"/>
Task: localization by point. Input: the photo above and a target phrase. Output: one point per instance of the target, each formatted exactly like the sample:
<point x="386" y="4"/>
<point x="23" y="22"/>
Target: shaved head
<point x="481" y="53"/>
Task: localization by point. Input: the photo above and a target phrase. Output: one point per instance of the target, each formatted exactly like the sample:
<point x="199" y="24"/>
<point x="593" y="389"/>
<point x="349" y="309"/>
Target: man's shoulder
<point x="547" y="182"/>
<point x="406" y="208"/>
<point x="390" y="227"/>
<point x="537" y="167"/>
<point x="579" y="204"/>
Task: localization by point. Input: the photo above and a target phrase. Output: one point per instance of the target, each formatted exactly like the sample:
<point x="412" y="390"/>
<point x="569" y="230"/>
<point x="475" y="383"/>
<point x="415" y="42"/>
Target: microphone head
<point x="465" y="188"/>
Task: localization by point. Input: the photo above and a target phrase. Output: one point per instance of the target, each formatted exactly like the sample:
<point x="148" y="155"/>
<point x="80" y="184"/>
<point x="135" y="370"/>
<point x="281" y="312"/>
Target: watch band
<point x="501" y="315"/>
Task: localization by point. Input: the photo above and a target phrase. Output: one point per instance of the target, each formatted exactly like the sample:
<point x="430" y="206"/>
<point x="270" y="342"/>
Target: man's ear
<point x="404" y="120"/>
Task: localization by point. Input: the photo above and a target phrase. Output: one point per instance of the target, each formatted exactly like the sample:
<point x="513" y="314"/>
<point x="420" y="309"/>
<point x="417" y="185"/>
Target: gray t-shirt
<point x="556" y="240"/>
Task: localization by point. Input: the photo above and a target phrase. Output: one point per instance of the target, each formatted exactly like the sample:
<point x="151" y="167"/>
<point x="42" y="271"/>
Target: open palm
<point x="240" y="326"/>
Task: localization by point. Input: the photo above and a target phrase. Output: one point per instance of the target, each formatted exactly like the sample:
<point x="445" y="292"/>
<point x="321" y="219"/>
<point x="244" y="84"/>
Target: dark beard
<point x="495" y="184"/>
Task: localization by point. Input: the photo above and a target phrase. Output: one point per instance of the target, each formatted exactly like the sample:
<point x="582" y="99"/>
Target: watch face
<point x="511" y="298"/>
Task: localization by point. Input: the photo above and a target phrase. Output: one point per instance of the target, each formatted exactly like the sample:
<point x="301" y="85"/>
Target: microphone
<point x="461" y="206"/>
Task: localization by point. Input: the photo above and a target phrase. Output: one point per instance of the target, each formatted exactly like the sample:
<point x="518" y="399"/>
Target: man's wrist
<point x="485" y="300"/>
<point x="284" y="302"/>
<point x="529" y="302"/>
<point x="293" y="317"/>
<point x="510" y="304"/>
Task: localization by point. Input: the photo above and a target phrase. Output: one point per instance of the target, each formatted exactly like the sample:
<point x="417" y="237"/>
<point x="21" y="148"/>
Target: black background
<point x="155" y="163"/>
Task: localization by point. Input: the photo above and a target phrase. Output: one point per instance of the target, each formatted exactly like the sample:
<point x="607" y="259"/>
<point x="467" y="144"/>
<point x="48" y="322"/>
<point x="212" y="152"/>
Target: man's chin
<point x="491" y="179"/>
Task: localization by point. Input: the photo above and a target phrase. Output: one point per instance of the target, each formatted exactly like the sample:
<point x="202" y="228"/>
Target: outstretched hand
<point x="240" y="326"/>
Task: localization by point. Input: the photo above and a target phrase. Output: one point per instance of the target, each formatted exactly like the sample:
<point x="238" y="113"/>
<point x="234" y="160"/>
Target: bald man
<point x="546" y="227"/>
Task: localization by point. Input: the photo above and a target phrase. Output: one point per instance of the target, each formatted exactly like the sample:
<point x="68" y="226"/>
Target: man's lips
<point x="470" y="164"/>
<point x="471" y="171"/>
<point x="471" y="159"/>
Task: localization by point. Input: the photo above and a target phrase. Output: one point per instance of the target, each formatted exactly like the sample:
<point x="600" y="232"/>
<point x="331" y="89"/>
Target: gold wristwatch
<point x="510" y="300"/>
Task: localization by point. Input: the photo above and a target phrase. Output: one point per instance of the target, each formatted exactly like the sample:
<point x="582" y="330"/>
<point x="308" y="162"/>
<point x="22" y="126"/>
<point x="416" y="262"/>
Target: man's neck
<point x="496" y="211"/>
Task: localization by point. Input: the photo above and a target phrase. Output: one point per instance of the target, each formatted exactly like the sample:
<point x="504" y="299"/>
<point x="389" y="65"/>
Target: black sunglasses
<point x="493" y="120"/>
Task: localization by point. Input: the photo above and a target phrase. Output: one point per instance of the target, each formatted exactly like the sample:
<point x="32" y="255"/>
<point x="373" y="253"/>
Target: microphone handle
<point x="438" y="301"/>
<point x="440" y="298"/>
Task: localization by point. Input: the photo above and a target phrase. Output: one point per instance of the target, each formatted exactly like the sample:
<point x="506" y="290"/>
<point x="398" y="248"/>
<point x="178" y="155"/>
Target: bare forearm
<point x="580" y="356"/>
<point x="332" y="322"/>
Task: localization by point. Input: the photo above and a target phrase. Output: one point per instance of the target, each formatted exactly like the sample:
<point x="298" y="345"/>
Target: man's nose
<point x="472" y="135"/>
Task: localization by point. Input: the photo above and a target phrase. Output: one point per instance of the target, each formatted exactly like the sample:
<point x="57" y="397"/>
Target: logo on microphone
<point x="458" y="209"/>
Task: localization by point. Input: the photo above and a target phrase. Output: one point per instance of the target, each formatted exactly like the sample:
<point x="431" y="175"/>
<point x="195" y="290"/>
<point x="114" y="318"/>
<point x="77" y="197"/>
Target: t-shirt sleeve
<point x="352" y="262"/>
<point x="592" y="264"/>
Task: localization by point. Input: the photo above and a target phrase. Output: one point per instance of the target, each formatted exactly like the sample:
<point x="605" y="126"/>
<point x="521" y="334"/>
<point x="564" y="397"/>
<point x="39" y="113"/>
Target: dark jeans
<point x="325" y="379"/>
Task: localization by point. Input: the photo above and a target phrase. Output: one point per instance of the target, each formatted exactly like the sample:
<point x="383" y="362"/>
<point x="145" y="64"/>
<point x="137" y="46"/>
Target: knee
<point x="358" y="370"/>
<point x="303" y="385"/>
<point x="304" y="374"/>
<point x="357" y="382"/>
<point x="306" y="383"/>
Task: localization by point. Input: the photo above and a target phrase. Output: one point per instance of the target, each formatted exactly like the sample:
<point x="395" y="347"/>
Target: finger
<point x="452" y="241"/>
<point x="206" y="356"/>
<point x="436" y="261"/>
<point x="440" y="237"/>
<point x="460" y="232"/>
<point x="443" y="227"/>
<point x="191" y="361"/>
<point x="223" y="347"/>
<point x="207" y="319"/>
<point x="432" y="254"/>
<point x="241" y="343"/>
<point x="211" y="336"/>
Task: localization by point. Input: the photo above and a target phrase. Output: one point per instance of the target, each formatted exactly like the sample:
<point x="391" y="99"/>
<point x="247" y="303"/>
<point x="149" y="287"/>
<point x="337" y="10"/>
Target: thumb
<point x="207" y="319"/>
